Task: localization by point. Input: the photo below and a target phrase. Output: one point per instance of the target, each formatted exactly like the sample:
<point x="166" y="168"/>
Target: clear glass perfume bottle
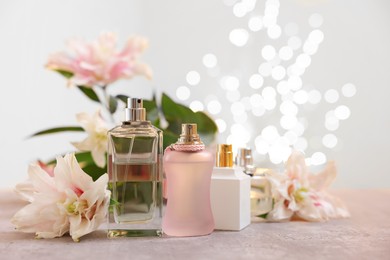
<point x="188" y="168"/>
<point x="261" y="192"/>
<point x="135" y="175"/>
<point x="244" y="160"/>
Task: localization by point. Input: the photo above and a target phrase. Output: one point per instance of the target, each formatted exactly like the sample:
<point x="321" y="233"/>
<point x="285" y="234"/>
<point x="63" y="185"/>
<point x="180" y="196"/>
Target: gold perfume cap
<point x="189" y="135"/>
<point x="224" y="156"/>
<point x="135" y="110"/>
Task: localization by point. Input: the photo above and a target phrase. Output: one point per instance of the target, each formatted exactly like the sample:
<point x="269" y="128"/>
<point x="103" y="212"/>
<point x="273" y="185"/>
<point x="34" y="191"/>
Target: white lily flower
<point x="301" y="194"/>
<point x="70" y="201"/>
<point x="96" y="142"/>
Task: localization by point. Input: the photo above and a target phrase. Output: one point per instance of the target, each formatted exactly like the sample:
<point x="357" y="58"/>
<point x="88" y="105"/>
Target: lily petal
<point x="324" y="179"/>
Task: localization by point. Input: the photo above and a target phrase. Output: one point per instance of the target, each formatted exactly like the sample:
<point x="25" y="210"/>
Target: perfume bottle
<point x="261" y="192"/>
<point x="135" y="175"/>
<point x="188" y="168"/>
<point x="244" y="160"/>
<point x="230" y="192"/>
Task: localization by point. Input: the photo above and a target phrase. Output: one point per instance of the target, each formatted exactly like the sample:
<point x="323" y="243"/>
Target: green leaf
<point x="169" y="138"/>
<point x="177" y="114"/>
<point x="94" y="171"/>
<point x="66" y="74"/>
<point x="123" y="98"/>
<point x="59" y="129"/>
<point x="84" y="158"/>
<point x="90" y="93"/>
<point x="113" y="202"/>
<point x="152" y="111"/>
<point x="113" y="104"/>
<point x="263" y="215"/>
<point x="88" y="165"/>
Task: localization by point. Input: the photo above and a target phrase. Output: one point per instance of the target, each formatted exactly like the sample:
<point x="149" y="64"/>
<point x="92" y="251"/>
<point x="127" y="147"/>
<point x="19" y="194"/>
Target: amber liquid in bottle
<point x="135" y="178"/>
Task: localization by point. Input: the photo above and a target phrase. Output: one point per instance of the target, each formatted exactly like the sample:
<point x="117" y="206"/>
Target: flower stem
<point x="105" y="101"/>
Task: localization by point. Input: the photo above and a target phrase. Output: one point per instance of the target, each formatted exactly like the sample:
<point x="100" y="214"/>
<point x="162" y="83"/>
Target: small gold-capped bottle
<point x="230" y="192"/>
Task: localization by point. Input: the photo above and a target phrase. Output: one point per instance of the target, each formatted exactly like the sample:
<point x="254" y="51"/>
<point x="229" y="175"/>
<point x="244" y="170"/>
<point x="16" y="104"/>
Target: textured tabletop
<point x="366" y="235"/>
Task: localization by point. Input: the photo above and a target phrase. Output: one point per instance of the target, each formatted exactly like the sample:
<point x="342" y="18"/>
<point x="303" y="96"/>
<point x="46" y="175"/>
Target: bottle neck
<point x="136" y="123"/>
<point x="135" y="114"/>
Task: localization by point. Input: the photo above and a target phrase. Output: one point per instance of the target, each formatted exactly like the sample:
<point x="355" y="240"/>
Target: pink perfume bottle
<point x="188" y="167"/>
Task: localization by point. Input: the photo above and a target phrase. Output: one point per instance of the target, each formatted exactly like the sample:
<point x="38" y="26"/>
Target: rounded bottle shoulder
<point x="178" y="156"/>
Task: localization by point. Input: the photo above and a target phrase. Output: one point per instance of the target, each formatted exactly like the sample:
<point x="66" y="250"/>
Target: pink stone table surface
<point x="366" y="235"/>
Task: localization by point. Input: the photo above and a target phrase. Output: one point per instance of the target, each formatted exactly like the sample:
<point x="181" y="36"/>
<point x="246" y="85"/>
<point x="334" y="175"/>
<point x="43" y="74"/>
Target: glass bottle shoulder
<point x="143" y="128"/>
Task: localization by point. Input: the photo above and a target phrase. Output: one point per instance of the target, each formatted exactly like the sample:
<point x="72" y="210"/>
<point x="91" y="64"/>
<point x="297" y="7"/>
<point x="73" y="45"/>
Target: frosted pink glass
<point x="188" y="211"/>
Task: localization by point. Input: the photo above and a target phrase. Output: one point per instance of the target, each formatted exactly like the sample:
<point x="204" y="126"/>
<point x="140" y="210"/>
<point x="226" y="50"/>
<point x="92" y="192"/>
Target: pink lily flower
<point x="67" y="202"/>
<point x="99" y="63"/>
<point x="299" y="194"/>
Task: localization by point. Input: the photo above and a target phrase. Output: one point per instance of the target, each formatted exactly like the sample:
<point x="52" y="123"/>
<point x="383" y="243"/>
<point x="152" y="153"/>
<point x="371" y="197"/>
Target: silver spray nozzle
<point x="244" y="159"/>
<point x="135" y="110"/>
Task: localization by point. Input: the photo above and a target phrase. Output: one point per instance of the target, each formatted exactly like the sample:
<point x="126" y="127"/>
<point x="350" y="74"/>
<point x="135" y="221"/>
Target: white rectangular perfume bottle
<point x="230" y="192"/>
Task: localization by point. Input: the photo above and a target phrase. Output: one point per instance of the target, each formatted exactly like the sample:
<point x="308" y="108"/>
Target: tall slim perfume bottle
<point x="261" y="193"/>
<point x="244" y="160"/>
<point x="230" y="192"/>
<point x="188" y="168"/>
<point x="135" y="175"/>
